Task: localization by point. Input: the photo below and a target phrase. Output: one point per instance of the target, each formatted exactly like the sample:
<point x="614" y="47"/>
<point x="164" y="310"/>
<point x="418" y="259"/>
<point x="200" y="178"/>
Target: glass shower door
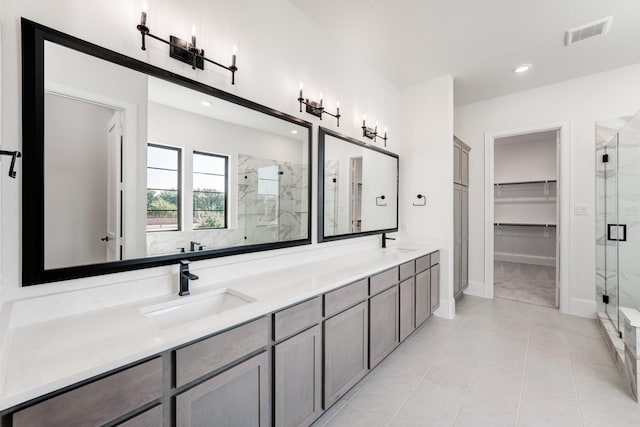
<point x="628" y="211"/>
<point x="610" y="222"/>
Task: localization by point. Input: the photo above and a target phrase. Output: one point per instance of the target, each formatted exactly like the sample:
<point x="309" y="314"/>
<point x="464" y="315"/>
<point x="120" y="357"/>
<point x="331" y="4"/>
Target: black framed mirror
<point x="129" y="166"/>
<point x="357" y="188"/>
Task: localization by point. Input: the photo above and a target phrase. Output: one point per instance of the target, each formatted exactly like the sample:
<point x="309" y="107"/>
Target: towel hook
<point x="419" y="197"/>
<point x="380" y="198"/>
<point x="14" y="155"/>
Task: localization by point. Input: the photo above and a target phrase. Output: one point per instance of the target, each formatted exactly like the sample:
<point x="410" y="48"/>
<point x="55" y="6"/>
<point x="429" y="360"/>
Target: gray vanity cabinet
<point x="345" y="351"/>
<point x="298" y="364"/>
<point x="423" y="296"/>
<point x="407" y="307"/>
<point x="460" y="217"/>
<point x="149" y="418"/>
<point x="383" y="325"/>
<point x="298" y="378"/>
<point x="239" y="396"/>
<point x="100" y="402"/>
<point x="435" y="287"/>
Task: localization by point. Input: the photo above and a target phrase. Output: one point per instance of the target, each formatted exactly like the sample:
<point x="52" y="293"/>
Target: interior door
<point x="558" y="224"/>
<point x="113" y="236"/>
<point x="355" y="199"/>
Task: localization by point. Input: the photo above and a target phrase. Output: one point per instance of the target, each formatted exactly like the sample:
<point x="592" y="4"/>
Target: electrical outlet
<point x="580" y="210"/>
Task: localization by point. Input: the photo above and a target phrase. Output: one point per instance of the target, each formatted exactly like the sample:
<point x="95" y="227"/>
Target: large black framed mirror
<point x="357" y="188"/>
<point x="129" y="166"/>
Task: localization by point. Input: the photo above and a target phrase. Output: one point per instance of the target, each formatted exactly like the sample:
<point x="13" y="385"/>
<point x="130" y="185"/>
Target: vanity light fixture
<point x="316" y="108"/>
<point x="372" y="133"/>
<point x="182" y="50"/>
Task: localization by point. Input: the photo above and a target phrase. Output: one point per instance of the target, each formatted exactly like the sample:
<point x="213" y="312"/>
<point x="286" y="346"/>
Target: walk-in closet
<point x="525" y="218"/>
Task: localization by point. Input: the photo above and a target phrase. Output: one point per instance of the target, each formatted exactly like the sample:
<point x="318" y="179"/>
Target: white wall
<point x="76" y="209"/>
<point x="426" y="167"/>
<point x="581" y="102"/>
<point x="278" y="46"/>
<point x="533" y="160"/>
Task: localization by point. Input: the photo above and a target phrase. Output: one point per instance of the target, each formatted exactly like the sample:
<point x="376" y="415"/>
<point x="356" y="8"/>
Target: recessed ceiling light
<point x="293" y="131"/>
<point x="522" y="68"/>
<point x="206" y="103"/>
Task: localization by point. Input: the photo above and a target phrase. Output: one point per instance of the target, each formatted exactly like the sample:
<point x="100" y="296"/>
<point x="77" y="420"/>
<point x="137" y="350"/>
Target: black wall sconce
<point x="315" y="107"/>
<point x="378" y="198"/>
<point x="183" y="51"/>
<point x="372" y="133"/>
<point x="421" y="197"/>
<point x="14" y="155"/>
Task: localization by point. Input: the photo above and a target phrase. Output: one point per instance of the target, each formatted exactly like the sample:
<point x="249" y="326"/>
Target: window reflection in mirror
<point x="137" y="166"/>
<point x="355" y="177"/>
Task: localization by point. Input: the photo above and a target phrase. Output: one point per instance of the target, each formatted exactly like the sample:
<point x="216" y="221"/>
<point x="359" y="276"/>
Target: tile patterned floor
<point x="498" y="363"/>
<point x="533" y="284"/>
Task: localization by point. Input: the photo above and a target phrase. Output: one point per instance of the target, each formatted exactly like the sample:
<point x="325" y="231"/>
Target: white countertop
<point x="43" y="357"/>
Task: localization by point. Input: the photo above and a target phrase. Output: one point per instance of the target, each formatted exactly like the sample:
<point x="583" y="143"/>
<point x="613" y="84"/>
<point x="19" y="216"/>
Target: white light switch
<point x="580" y="210"/>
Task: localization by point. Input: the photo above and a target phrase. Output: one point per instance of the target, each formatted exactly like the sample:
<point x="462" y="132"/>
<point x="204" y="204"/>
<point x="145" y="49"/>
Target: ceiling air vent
<point x="596" y="28"/>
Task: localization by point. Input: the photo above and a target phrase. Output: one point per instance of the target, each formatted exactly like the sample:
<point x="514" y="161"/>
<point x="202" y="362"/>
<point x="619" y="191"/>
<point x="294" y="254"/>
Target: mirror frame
<point x="33" y="246"/>
<point x="322" y="132"/>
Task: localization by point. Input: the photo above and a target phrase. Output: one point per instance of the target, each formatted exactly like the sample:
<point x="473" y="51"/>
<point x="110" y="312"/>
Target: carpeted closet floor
<point x="533" y="284"/>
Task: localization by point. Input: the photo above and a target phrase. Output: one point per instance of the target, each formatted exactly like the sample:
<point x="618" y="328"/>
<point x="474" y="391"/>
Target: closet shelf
<point x="541" y="199"/>
<point x="526" y="182"/>
<point x="524" y="224"/>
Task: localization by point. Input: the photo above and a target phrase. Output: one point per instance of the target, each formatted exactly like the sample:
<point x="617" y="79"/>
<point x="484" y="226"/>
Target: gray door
<point x="383" y="325"/>
<point x="298" y="378"/>
<point x="407" y="307"/>
<point x="423" y="296"/>
<point x="345" y="351"/>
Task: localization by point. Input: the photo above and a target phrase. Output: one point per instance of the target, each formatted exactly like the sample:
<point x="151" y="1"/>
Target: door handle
<point x="105" y="239"/>
<point x="617" y="232"/>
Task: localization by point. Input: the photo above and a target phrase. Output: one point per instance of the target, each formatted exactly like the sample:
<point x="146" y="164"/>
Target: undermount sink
<point x="194" y="307"/>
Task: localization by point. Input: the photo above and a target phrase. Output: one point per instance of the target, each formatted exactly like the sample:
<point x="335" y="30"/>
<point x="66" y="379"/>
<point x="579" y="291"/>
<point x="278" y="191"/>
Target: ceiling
<point x="479" y="42"/>
<point x="545" y="136"/>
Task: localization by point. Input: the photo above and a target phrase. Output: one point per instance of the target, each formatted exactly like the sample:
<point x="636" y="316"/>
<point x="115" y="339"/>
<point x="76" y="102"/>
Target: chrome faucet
<point x="385" y="238"/>
<point x="185" y="276"/>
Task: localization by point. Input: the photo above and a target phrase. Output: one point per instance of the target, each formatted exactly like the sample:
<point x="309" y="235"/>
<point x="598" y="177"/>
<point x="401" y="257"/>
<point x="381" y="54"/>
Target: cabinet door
<point x="383" y="325"/>
<point x="464" y="167"/>
<point x="423" y="296"/>
<point x="407" y="307"/>
<point x="464" y="239"/>
<point x="457" y="238"/>
<point x="298" y="378"/>
<point x="236" y="397"/>
<point x="345" y="351"/>
<point x="435" y="287"/>
<point x="457" y="154"/>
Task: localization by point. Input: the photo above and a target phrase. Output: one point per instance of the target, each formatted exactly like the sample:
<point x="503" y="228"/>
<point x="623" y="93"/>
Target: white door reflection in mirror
<point x="114" y="189"/>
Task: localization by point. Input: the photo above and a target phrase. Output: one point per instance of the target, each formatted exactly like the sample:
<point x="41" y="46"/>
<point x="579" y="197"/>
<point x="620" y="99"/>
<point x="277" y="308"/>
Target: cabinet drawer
<point x="149" y="418"/>
<point x="382" y="281"/>
<point x="343" y="298"/>
<point x="435" y="258"/>
<point x="99" y="402"/>
<point x="423" y="263"/>
<point x="213" y="353"/>
<point x="297" y="318"/>
<point x="407" y="270"/>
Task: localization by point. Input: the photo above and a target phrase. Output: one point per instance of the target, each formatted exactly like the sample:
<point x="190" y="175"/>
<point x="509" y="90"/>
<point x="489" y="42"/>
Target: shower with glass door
<point x="618" y="220"/>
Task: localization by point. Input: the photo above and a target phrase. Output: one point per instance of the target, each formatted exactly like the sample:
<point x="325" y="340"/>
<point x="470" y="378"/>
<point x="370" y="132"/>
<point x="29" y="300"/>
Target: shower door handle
<point x="617" y="232"/>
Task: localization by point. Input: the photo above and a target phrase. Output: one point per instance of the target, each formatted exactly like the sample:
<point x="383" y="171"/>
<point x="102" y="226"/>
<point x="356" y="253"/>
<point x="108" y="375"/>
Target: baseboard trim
<point x="582" y="307"/>
<point x="525" y="259"/>
<point x="475" y="289"/>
